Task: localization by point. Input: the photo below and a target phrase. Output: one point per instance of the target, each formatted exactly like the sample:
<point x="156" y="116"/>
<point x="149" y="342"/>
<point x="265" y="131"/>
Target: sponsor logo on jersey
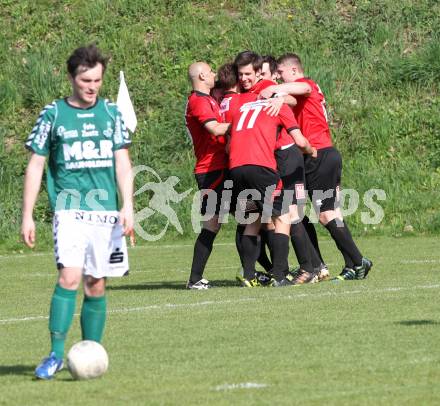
<point x="85" y="115"/>
<point x="42" y="134"/>
<point x="96" y="218"/>
<point x="66" y="134"/>
<point x="109" y="131"/>
<point x="117" y="257"/>
<point x="89" y="130"/>
<point x="88" y="154"/>
<point x="118" y="131"/>
<point x="299" y="191"/>
<point x="224" y="105"/>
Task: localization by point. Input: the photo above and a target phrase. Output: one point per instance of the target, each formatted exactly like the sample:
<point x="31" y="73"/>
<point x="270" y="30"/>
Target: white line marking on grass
<point x="244" y="385"/>
<point x="30" y="318"/>
<point x="138" y="247"/>
<point x="142" y="308"/>
<point x="233" y="301"/>
<point x="177" y="305"/>
<point x="132" y="272"/>
<point x="39" y="254"/>
<point x="420" y="261"/>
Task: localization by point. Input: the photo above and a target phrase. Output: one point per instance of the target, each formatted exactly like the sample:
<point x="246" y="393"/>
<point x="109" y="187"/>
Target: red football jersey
<point x="209" y="149"/>
<point x="311" y="115"/>
<point x="232" y="102"/>
<point x="261" y="85"/>
<point x="254" y="134"/>
<point x="284" y="139"/>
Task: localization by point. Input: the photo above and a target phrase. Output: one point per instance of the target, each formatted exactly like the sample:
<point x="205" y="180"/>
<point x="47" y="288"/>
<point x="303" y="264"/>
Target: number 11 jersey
<point x="254" y="134"/>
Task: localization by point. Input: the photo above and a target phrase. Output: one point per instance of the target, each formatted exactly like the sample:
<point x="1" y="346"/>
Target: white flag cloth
<point x="125" y="105"/>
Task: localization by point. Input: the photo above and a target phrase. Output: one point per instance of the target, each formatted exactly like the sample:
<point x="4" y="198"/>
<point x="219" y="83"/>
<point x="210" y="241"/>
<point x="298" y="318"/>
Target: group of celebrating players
<point x="268" y="145"/>
<point x="263" y="152"/>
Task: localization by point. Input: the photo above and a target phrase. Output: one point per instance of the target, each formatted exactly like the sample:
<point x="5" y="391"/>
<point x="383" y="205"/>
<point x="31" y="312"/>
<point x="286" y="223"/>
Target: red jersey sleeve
<point x="203" y="110"/>
<point x="287" y="119"/>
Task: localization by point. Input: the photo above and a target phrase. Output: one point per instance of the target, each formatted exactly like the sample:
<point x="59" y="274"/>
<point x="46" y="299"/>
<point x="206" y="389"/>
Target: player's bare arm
<point x="216" y="128"/>
<point x="275" y="103"/>
<point x="124" y="178"/>
<point x="32" y="183"/>
<point x="274" y="106"/>
<point x="303" y="143"/>
<point x="295" y="89"/>
<point x="290" y="100"/>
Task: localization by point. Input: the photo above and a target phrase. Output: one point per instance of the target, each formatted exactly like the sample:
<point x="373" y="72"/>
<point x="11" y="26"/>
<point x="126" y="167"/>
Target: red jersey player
<point x="249" y="69"/>
<point x="227" y="86"/>
<point x="269" y="68"/>
<point x="323" y="174"/>
<point x="253" y="166"/>
<point x="206" y="131"/>
<point x="253" y="169"/>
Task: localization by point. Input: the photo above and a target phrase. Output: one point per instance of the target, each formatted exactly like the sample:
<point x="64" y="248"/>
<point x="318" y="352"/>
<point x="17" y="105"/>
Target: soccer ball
<point x="87" y="359"/>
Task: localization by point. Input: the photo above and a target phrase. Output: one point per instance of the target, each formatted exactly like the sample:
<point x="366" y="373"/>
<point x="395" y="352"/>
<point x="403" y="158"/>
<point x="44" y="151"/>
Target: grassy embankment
<point x="377" y="62"/>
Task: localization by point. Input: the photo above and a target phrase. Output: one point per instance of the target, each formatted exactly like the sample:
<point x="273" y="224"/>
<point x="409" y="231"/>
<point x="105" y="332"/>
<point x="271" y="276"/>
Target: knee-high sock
<point x="238" y="235"/>
<point x="280" y="255"/>
<point x="348" y="261"/>
<point x="301" y="246"/>
<point x="311" y="231"/>
<point x="269" y="241"/>
<point x="314" y="257"/>
<point x="202" y="251"/>
<point x="344" y="241"/>
<point x="263" y="259"/>
<point x="250" y="252"/>
<point x="93" y="315"/>
<point x="62" y="308"/>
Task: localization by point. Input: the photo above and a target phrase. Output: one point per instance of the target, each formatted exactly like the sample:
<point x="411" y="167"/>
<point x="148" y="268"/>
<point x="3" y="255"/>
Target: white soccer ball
<point x="87" y="359"/>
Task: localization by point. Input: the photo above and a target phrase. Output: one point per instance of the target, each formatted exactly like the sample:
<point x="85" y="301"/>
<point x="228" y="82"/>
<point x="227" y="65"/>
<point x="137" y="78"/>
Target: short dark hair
<point x="272" y="63"/>
<point x="88" y="56"/>
<point x="248" y="57"/>
<point x="293" y="59"/>
<point x="226" y="76"/>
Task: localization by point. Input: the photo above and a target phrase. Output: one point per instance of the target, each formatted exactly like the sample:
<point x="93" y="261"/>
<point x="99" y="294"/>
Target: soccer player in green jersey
<point x="84" y="140"/>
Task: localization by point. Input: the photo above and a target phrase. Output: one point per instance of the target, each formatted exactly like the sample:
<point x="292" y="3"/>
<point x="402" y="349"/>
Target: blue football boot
<point x="49" y="367"/>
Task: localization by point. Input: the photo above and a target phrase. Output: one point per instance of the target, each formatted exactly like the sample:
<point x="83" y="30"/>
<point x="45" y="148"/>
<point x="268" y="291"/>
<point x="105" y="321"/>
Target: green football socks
<point x="93" y="316"/>
<point x="62" y="308"/>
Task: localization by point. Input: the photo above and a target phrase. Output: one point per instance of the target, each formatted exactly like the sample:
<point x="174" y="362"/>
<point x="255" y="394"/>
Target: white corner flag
<point x="125" y="105"/>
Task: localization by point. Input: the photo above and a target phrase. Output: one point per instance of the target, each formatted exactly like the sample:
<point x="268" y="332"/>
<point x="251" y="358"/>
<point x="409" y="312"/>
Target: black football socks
<point x="301" y="245"/>
<point x="202" y="251"/>
<point x="250" y="253"/>
<point x="344" y="241"/>
<point x="311" y="231"/>
<point x="280" y="255"/>
<point x="266" y="240"/>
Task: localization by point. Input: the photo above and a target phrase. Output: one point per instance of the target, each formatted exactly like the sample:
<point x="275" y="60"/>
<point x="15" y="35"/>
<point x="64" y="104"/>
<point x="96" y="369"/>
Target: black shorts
<point x="258" y="180"/>
<point x="212" y="183"/>
<point x="323" y="178"/>
<point x="290" y="165"/>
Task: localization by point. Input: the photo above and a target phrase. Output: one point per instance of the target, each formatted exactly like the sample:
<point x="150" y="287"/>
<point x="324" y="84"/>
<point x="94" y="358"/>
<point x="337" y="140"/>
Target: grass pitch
<point x="357" y="342"/>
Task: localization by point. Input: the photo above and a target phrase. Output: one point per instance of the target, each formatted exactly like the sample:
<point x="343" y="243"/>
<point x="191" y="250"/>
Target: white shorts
<point x="91" y="240"/>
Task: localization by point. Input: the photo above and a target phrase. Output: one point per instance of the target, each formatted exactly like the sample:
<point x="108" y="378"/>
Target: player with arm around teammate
<point x="84" y="140"/>
<point x="253" y="169"/>
<point x="290" y="169"/>
<point x="323" y="174"/>
<point x="227" y="85"/>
